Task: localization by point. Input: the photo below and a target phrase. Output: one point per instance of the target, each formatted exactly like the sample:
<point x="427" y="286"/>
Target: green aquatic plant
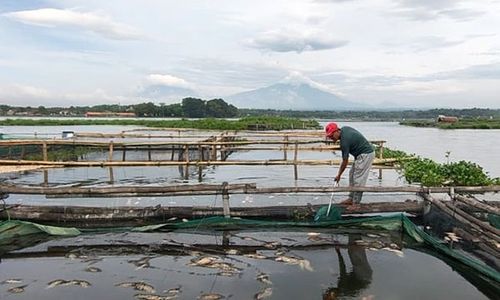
<point x="430" y="173"/>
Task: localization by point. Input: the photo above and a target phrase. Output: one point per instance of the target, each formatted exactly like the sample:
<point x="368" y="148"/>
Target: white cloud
<point x="51" y="17"/>
<point x="168" y="80"/>
<point x="294" y="40"/>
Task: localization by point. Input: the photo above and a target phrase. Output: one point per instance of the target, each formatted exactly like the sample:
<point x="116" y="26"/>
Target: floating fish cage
<point x="254" y="249"/>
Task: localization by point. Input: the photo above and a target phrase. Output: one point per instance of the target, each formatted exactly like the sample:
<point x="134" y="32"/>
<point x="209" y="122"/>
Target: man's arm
<point x="343" y="165"/>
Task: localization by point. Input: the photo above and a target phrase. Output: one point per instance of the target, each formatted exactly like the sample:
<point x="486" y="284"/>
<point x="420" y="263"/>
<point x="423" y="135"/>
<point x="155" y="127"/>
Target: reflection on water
<point x="328" y="264"/>
<point x="351" y="283"/>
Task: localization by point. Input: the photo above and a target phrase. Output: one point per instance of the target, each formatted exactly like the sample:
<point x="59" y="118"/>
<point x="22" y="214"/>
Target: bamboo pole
<point x="285" y="150"/>
<point x="110" y="151"/>
<point x="186" y="157"/>
<point x="381" y="156"/>
<point x="44" y="151"/>
<point x="149" y="153"/>
<point x="156" y="143"/>
<point x="200" y="168"/>
<point x="124" y="153"/>
<point x="455" y="213"/>
<point x="475" y="203"/>
<point x="249" y="188"/>
<point x="295" y="170"/>
<point x="386" y="163"/>
<point x="123" y="213"/>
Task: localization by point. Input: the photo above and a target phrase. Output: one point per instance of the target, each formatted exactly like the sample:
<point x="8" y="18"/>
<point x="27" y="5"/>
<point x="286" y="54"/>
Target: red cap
<point x="330" y="128"/>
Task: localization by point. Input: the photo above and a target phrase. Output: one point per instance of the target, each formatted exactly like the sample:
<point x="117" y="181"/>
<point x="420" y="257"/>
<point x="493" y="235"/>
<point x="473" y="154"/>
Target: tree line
<point x="188" y="108"/>
<point x="218" y="108"/>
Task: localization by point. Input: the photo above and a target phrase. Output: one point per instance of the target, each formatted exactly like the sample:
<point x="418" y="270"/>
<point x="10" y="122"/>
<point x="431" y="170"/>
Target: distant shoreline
<point x="461" y="124"/>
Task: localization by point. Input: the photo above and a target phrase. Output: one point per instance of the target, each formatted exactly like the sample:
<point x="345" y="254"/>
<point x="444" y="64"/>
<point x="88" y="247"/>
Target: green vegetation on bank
<point x="257" y="123"/>
<point x="477" y="123"/>
<point x="430" y="173"/>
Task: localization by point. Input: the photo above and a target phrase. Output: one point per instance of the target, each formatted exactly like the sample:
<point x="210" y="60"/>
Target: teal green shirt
<point x="353" y="142"/>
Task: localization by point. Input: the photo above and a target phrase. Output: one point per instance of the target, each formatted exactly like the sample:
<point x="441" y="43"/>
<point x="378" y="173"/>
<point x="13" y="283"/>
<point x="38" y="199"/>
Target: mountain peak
<point x="295" y="92"/>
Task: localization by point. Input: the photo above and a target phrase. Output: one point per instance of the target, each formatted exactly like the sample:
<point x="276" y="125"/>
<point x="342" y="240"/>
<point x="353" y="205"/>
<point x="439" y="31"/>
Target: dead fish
<point x="372" y="235"/>
<point x="225" y="267"/>
<point x="203" y="260"/>
<point x="81" y="283"/>
<point x="17" y="289"/>
<point x="57" y="282"/>
<point x="138" y="286"/>
<point x="71" y="256"/>
<point x="125" y="284"/>
<point x="227" y="274"/>
<point x="264" y="293"/>
<point x="255" y="256"/>
<point x="210" y="296"/>
<point x="271" y="245"/>
<point x="93" y="269"/>
<point x="153" y="297"/>
<point x="12" y="281"/>
<point x="185" y="220"/>
<point x="394" y="246"/>
<point x="145" y="287"/>
<point x="313" y="234"/>
<point x="173" y="291"/>
<point x="304" y="264"/>
<point x="232" y="252"/>
<point x="397" y="252"/>
<point x="172" y="219"/>
<point x="264" y="278"/>
<point x="141" y="263"/>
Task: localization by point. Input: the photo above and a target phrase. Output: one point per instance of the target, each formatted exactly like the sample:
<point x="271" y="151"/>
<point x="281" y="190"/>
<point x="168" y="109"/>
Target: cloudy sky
<point x="416" y="53"/>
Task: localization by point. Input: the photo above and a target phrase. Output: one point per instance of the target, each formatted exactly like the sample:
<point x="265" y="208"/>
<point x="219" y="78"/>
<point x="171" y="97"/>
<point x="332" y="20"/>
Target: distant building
<point x="447" y="119"/>
<point x="95" y="114"/>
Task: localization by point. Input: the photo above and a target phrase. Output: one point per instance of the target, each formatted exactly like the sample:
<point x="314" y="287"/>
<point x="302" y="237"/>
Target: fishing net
<point x="334" y="213"/>
<point x="13" y="229"/>
<point x="494" y="220"/>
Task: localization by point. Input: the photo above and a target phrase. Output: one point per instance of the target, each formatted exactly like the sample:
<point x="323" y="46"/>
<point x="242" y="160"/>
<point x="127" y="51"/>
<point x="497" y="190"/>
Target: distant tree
<point x="148" y="109"/>
<point x="193" y="108"/>
<point x="218" y="108"/>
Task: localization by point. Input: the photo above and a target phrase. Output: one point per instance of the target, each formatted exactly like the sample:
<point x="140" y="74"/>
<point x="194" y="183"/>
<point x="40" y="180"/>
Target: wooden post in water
<point x="200" y="158"/>
<point x="186" y="157"/>
<point x="285" y="148"/>
<point x="172" y="154"/>
<point x="110" y="158"/>
<point x="381" y="155"/>
<point x="149" y="152"/>
<point x="111" y="176"/>
<point x="214" y="150"/>
<point x="45" y="177"/>
<point x="295" y="170"/>
<point x="23" y="152"/>
<point x="44" y="151"/>
<point x="124" y="153"/>
<point x="225" y="200"/>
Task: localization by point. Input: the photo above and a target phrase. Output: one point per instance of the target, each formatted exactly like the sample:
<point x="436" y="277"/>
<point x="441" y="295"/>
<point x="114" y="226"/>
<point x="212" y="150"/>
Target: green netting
<point x="332" y="214"/>
<point x="494" y="220"/>
<point x="399" y="222"/>
<point x="13" y="229"/>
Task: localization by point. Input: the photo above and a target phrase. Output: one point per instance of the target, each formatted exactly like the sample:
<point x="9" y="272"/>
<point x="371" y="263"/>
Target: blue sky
<point x="417" y="53"/>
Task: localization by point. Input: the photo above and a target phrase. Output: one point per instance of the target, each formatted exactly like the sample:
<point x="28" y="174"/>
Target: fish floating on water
<point x="153" y="297"/>
<point x="264" y="278"/>
<point x="304" y="264"/>
<point x="451" y="236"/>
<point x="232" y="252"/>
<point x="62" y="282"/>
<point x="396" y="251"/>
<point x="138" y="286"/>
<point x="141" y="263"/>
<point x="264" y="293"/>
<point x="17" y="289"/>
<point x="12" y="281"/>
<point x="255" y="256"/>
<point x="93" y="269"/>
<point x="214" y="263"/>
<point x="211" y="296"/>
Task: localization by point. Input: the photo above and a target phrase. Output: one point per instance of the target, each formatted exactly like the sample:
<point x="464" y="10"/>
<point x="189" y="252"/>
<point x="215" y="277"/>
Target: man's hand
<point x="337" y="179"/>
